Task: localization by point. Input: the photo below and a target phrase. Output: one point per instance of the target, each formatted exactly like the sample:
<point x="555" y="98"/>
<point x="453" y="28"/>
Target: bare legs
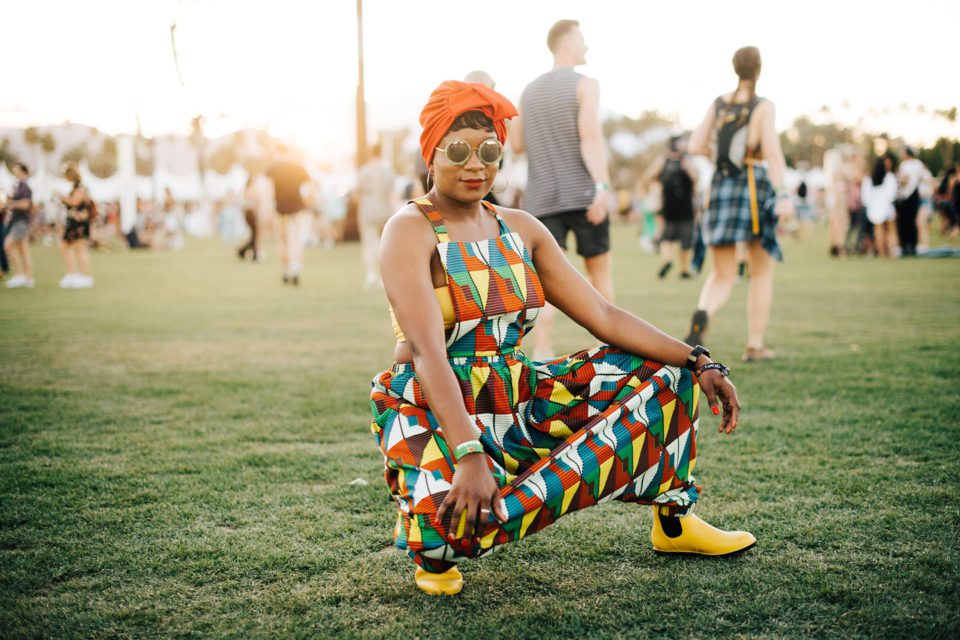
<point x="719" y="284"/>
<point x="76" y="257"/>
<point x="290" y="244"/>
<point x="716" y="289"/>
<point x="760" y="294"/>
<point x="66" y="250"/>
<point x="885" y="238"/>
<point x="19" y="252"/>
<point x="600" y="273"/>
<point x="370" y="247"/>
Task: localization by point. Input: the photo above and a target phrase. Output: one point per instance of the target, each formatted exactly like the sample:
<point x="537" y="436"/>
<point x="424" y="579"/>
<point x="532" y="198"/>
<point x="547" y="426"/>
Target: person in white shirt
<point x="377" y="202"/>
<point x="878" y="193"/>
<point x="909" y="176"/>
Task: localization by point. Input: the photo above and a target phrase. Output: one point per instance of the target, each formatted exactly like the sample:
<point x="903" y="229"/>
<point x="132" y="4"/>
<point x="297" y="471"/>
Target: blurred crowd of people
<point x="885" y="207"/>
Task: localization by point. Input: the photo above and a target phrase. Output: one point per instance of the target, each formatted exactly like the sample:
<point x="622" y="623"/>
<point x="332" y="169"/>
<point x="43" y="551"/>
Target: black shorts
<point x="592" y="239"/>
<point x="678" y="231"/>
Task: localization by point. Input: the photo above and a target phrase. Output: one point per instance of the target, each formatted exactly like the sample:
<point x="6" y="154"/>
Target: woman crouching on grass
<point x="483" y="446"/>
<point x="76" y="232"/>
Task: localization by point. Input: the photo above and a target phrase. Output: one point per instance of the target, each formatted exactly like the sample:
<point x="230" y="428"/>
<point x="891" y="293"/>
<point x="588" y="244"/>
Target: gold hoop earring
<point x="506" y="183"/>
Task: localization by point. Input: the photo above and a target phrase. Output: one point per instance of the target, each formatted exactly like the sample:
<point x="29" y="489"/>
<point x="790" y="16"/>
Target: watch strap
<point x="695" y="354"/>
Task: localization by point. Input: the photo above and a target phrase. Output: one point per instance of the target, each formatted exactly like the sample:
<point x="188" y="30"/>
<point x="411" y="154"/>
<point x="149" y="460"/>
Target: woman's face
<point x="468" y="182"/>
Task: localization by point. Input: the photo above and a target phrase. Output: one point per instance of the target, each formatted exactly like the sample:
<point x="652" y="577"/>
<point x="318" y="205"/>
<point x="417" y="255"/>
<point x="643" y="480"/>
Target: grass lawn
<point x="177" y="448"/>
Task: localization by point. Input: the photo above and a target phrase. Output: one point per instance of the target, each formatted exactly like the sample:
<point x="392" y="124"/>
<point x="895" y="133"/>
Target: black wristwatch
<point x="698" y="351"/>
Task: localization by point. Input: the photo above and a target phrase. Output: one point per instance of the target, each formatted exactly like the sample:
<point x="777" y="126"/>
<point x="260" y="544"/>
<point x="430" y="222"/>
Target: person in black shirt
<point x="678" y="177"/>
<point x="289" y="177"/>
<point x="16" y="243"/>
<point x="76" y="232"/>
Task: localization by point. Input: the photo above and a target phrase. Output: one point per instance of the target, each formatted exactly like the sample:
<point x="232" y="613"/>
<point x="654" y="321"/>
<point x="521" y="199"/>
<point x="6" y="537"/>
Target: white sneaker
<point x="16" y="282"/>
<point x="27" y="283"/>
<point x="83" y="282"/>
<point x="66" y="282"/>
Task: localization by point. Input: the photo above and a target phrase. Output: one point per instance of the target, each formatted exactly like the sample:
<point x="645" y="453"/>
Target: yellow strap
<point x="754" y="209"/>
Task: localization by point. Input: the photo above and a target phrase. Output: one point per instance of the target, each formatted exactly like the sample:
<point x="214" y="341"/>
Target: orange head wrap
<point x="452" y="99"/>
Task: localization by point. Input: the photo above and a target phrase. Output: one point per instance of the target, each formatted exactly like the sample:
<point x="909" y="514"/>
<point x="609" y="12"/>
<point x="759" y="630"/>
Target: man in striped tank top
<point x="568" y="183"/>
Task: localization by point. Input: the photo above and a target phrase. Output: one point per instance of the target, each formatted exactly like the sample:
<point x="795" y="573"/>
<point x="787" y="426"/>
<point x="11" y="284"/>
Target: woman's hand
<point x="720" y="390"/>
<point x="784" y="209"/>
<point x="474" y="497"/>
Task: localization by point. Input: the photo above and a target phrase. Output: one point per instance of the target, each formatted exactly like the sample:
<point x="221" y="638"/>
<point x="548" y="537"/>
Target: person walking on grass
<point x="879" y="193"/>
<point x="909" y="177"/>
<point x="289" y="179"/>
<point x="250" y="216"/>
<point x="377" y="200"/>
<point x="81" y="212"/>
<point x="568" y="182"/>
<point x="677" y="177"/>
<point x="746" y="198"/>
<point x="483" y="446"/>
<point x="17" y="239"/>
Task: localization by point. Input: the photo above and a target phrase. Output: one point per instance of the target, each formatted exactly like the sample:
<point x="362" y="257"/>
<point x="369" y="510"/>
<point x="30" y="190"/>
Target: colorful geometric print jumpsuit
<point x="560" y="435"/>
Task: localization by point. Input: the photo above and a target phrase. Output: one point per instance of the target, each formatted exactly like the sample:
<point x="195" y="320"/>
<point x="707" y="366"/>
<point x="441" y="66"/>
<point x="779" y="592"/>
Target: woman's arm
<point x="699" y="142"/>
<point x="569" y="291"/>
<point x="76" y="198"/>
<point x="406" y="248"/>
<point x="773" y="153"/>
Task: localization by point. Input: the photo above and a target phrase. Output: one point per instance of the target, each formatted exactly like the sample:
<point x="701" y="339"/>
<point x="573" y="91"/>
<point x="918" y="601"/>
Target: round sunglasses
<point x="458" y="151"/>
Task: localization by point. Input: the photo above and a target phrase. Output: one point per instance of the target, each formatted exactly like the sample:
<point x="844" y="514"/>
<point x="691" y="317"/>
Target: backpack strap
<point x="439" y="227"/>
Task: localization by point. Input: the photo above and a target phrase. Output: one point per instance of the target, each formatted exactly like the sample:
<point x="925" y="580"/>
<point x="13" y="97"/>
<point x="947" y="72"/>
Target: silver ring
<point x="484" y="510"/>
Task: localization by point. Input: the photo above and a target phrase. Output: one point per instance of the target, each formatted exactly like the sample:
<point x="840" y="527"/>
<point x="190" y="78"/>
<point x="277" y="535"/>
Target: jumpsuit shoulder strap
<point x="439" y="227"/>
<point x="504" y="229"/>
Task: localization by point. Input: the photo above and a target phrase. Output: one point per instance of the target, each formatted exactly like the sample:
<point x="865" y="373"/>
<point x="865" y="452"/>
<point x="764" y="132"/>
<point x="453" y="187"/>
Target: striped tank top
<point x="557" y="178"/>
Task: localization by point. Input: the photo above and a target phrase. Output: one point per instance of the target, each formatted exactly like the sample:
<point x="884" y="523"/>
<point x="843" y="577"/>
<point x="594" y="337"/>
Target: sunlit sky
<point x="291" y="66"/>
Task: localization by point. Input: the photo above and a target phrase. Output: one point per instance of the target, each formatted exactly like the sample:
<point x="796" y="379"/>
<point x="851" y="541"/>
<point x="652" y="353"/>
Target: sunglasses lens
<point x="490" y="151"/>
<point x="458" y="151"/>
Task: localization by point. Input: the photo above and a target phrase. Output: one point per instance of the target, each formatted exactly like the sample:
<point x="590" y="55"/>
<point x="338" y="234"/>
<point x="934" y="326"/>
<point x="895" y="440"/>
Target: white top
<point x="879" y="200"/>
<point x="910" y="174"/>
<point x="375" y="187"/>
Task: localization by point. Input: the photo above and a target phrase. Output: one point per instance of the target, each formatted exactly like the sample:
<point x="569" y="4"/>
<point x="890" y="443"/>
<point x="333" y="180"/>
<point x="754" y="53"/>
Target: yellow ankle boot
<point x="448" y="583"/>
<point x="698" y="537"/>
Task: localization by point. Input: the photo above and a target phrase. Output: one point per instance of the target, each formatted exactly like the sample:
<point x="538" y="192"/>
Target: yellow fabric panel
<point x="446" y="310"/>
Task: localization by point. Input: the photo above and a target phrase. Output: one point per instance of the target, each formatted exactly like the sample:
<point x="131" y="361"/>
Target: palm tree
<point x="48" y="144"/>
<point x="32" y="137"/>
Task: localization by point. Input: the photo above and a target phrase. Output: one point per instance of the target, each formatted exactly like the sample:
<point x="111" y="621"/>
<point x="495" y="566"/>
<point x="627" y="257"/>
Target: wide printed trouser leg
<point x="640" y="448"/>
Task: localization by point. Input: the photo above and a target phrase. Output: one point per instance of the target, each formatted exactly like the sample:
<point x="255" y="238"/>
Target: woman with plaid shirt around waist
<point x="744" y="207"/>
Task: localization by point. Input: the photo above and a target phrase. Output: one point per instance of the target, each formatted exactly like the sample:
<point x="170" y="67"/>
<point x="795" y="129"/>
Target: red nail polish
<point x="716" y="410"/>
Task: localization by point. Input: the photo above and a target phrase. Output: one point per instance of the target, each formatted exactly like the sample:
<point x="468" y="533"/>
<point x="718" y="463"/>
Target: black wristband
<point x="724" y="371"/>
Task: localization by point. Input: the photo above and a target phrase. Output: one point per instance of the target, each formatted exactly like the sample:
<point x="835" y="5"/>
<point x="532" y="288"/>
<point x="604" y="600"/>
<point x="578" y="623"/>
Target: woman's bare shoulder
<point x="408" y="222"/>
<point x="516" y="216"/>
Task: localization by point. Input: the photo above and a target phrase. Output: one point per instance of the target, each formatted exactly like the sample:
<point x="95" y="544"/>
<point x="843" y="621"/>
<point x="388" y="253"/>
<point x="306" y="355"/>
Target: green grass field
<point x="178" y="444"/>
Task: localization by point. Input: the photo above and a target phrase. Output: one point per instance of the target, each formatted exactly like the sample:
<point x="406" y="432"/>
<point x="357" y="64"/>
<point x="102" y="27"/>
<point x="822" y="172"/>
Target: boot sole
<point x="692" y="554"/>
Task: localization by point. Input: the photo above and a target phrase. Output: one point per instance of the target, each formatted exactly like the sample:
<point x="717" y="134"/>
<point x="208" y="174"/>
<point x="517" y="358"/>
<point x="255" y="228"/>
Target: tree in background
<point x="31" y="135"/>
<point x="224" y="157"/>
<point x="145" y="157"/>
<point x="7" y="156"/>
<point x="634" y="144"/>
<point x="75" y="153"/>
<point x="941" y="155"/>
<point x="103" y="164"/>
<point x="48" y="144"/>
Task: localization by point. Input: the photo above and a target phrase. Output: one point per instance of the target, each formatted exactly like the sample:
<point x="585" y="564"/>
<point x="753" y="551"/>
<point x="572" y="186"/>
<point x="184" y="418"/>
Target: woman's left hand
<point x="784" y="209"/>
<point x="719" y="390"/>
